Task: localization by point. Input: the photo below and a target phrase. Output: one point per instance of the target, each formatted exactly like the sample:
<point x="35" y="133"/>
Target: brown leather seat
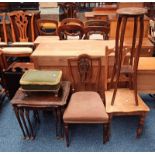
<point x="85" y="107"/>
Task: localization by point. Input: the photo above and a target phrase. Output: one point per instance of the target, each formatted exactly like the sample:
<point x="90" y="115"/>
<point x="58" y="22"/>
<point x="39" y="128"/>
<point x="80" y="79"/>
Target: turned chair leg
<point x="140" y="126"/>
<point x="106" y="132"/>
<point x="66" y="134"/>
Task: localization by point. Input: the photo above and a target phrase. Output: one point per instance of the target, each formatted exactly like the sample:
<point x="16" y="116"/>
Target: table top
<point x="42" y="99"/>
<point x="146" y="42"/>
<point x="98" y="13"/>
<point x="46" y="39"/>
<point x="146" y="64"/>
<point x="124" y="102"/>
<point x="65" y="48"/>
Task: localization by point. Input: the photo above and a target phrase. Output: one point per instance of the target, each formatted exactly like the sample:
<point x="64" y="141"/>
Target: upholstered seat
<point x="17" y="50"/>
<point x="85" y="107"/>
<point x="22" y="44"/>
<point x="3" y="44"/>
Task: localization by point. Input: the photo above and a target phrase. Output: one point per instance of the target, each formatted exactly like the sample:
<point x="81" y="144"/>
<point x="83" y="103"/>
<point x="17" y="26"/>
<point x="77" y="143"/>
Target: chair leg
<point x="106" y="132"/>
<point x="66" y="134"/>
<point x="140" y="126"/>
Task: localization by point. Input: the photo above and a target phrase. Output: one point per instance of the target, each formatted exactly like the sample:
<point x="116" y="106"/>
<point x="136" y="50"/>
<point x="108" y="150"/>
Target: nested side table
<point x="137" y="14"/>
<point x="24" y="103"/>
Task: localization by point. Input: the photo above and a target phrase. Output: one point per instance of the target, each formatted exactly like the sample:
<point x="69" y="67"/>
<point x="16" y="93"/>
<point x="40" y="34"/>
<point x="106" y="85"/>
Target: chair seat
<point x="3" y="44"/>
<point x="85" y="107"/>
<point x="22" y="44"/>
<point x="17" y="50"/>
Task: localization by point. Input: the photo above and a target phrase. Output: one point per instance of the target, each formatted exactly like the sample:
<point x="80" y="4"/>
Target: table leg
<point x="29" y="122"/>
<point x="24" y="122"/>
<point x="140" y="126"/>
<point x="36" y="116"/>
<point x="19" y="121"/>
<point x="61" y="122"/>
<point x="56" y="121"/>
<point x="59" y="116"/>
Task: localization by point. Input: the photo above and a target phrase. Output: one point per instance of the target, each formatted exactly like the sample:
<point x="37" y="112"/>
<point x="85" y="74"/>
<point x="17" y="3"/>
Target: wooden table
<point x="129" y="27"/>
<point x="55" y="54"/>
<point x="125" y="106"/>
<point x="146" y="75"/>
<point x="45" y="39"/>
<point x="99" y="15"/>
<point x="147" y="46"/>
<point x="24" y="103"/>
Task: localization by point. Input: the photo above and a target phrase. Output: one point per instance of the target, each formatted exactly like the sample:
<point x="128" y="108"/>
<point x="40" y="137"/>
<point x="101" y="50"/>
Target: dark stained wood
<point x="3" y="37"/>
<point x="43" y="31"/>
<point x="71" y="27"/>
<point x="97" y="27"/>
<point x="69" y="9"/>
<point x="24" y="103"/>
<point x="123" y="15"/>
<point x="85" y="78"/>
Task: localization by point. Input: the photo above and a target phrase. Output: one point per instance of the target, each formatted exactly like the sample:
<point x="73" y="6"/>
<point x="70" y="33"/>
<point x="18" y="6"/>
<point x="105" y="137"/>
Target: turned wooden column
<point x="137" y="14"/>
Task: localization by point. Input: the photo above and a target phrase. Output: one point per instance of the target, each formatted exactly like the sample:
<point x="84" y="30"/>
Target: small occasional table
<point x="23" y="103"/>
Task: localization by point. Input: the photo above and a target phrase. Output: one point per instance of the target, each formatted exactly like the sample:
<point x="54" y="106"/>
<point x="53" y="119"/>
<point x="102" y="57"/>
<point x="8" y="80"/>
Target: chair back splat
<point x="85" y="72"/>
<point x="20" y="25"/>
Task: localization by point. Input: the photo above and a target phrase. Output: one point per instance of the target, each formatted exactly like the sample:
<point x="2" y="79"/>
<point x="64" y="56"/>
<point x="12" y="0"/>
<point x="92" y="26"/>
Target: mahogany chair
<point x="71" y="27"/>
<point x="21" y="26"/>
<point x="47" y="27"/>
<point x="3" y="34"/>
<point x="97" y="27"/>
<point x="3" y="91"/>
<point x="21" y="46"/>
<point x="110" y="53"/>
<point x="87" y="102"/>
<point x="69" y="10"/>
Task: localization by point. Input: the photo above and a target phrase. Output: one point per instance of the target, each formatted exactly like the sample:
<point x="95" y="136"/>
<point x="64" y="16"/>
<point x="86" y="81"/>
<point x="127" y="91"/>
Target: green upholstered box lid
<point x="40" y="77"/>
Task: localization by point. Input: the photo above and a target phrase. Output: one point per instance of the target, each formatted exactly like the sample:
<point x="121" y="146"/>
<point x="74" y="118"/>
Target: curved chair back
<point x="71" y="27"/>
<point x="47" y="27"/>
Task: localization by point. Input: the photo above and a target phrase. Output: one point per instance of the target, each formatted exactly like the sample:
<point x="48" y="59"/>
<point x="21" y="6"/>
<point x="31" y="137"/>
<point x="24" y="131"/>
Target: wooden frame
<point x="19" y="24"/>
<point x="71" y="27"/>
<point x="3" y="16"/>
<point x="85" y="72"/>
<point x="39" y="26"/>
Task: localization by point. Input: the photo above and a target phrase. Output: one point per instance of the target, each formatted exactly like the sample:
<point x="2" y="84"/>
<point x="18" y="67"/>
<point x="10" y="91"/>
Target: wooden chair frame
<point x="111" y="52"/>
<point x="41" y="32"/>
<point x="19" y="20"/>
<point x="97" y="27"/>
<point x="71" y="27"/>
<point x="84" y="64"/>
<point x="3" y="22"/>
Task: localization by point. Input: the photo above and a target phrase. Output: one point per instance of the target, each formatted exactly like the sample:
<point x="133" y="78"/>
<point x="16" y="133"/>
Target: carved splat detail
<point x="85" y="72"/>
<point x="85" y="68"/>
<point x="22" y="23"/>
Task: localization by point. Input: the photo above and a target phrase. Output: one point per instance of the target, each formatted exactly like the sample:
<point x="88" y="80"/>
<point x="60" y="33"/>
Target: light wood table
<point x="45" y="39"/>
<point x="99" y="15"/>
<point x="147" y="46"/>
<point x="146" y="75"/>
<point x="124" y="105"/>
<point x="53" y="54"/>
